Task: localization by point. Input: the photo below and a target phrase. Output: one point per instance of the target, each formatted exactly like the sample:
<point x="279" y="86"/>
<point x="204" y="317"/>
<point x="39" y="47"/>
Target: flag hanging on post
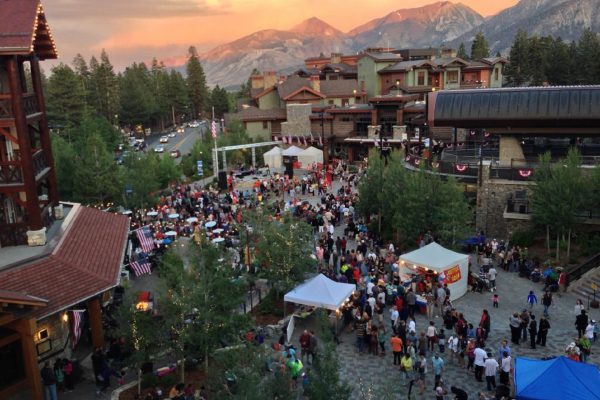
<point x="290" y="140"/>
<point x="141" y="267"/>
<point x="76" y="326"/>
<point x="213" y="129"/>
<point x="283" y="140"/>
<point x="145" y="238"/>
<point x="321" y="141"/>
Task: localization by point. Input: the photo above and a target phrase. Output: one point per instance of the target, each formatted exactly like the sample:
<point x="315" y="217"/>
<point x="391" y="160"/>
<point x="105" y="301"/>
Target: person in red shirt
<point x="304" y="344"/>
<point x="356" y="274"/>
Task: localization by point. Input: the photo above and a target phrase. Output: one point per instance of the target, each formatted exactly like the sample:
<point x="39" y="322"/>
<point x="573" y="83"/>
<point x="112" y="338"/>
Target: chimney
<point x="315" y="83"/>
<point x="270" y="78"/>
<point x="336" y="58"/>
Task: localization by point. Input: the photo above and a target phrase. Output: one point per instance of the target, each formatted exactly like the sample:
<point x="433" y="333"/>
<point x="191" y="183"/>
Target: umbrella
<point x="211" y="224"/>
<point x="152" y="213"/>
<point x="192" y="220"/>
<point x="218" y="240"/>
<point x="127" y="212"/>
<point x="217" y="231"/>
<point x="171" y="233"/>
<point x="167" y="241"/>
<point x="173" y="216"/>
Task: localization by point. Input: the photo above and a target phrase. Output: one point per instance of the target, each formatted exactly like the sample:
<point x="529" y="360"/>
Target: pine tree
<point x="220" y="101"/>
<point x="81" y="69"/>
<point x="586" y="58"/>
<point x="104" y="87"/>
<point x="65" y="97"/>
<point x="137" y="100"/>
<point x="479" y="48"/>
<point x="462" y="52"/>
<point x="196" y="84"/>
<point x="177" y="95"/>
<point x="518" y="67"/>
<point x="538" y="48"/>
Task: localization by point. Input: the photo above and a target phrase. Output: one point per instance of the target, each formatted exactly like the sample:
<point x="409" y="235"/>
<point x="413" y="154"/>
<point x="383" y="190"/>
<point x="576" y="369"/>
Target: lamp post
<point x="397" y="88"/>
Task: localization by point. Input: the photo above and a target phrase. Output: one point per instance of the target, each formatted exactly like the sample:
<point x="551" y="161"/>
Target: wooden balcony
<point x="30" y="106"/>
<point x="11" y="173"/>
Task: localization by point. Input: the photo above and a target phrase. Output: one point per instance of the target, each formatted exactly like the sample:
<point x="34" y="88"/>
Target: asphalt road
<point x="182" y="141"/>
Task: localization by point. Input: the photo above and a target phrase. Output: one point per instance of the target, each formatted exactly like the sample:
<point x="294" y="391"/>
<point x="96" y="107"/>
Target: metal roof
<point x="539" y="107"/>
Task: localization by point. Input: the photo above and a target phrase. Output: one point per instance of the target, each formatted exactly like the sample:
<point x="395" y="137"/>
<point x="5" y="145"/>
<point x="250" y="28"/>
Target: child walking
<point x="531" y="299"/>
<point x="495" y="300"/>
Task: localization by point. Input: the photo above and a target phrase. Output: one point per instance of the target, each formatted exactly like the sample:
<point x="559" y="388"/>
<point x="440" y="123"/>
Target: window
<point x="345" y="102"/>
<point x="265" y="124"/>
<point x="421" y="78"/>
<point x="496" y="73"/>
<point x="452" y="76"/>
<point x="331" y="102"/>
<point x="345" y="119"/>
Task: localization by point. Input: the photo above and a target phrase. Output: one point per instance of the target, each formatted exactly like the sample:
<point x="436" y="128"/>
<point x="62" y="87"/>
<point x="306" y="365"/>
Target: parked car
<point x="175" y="154"/>
<point x="159" y="149"/>
<point x="164" y="139"/>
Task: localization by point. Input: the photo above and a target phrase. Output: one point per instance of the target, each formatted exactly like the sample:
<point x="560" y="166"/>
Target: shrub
<point x="268" y="305"/>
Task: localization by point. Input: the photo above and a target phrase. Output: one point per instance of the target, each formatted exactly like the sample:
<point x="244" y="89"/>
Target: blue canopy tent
<point x="556" y="379"/>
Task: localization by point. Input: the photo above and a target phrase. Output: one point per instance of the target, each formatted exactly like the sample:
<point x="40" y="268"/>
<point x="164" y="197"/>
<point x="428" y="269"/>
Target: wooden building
<point x="28" y="192"/>
<point x="55" y="258"/>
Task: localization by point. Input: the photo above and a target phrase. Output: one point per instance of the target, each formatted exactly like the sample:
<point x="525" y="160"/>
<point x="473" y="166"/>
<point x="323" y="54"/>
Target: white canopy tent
<point x="310" y="155"/>
<point x="454" y="266"/>
<point x="292" y="151"/>
<point x="322" y="292"/>
<point x="273" y="157"/>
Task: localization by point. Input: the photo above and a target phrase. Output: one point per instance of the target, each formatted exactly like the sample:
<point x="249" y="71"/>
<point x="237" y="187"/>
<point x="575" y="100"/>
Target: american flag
<point x="213" y="129"/>
<point x="284" y="140"/>
<point x="145" y="238"/>
<point x="77" y="324"/>
<point x="290" y="140"/>
<point x="321" y="141"/>
<point x="141" y="267"/>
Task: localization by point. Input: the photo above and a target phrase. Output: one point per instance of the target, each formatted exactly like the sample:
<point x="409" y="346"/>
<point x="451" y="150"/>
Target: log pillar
<point x="44" y="131"/>
<point x="27" y="329"/>
<point x="34" y="216"/>
<point x="95" y="314"/>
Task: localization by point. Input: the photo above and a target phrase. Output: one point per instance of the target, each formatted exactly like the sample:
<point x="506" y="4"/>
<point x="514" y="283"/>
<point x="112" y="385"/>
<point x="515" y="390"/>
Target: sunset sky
<point x="137" y="30"/>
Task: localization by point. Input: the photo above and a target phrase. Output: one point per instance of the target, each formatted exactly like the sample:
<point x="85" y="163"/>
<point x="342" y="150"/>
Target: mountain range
<point x="441" y="23"/>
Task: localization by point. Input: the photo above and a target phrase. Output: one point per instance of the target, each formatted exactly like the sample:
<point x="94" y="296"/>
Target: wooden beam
<point x="7" y="135"/>
<point x="95" y="314"/>
<point x="27" y="329"/>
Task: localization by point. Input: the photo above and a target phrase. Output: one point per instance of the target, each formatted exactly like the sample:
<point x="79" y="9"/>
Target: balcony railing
<point x="468" y="170"/>
<point x="30" y="104"/>
<point x="5" y="106"/>
<point x="10" y="173"/>
<point x="13" y="234"/>
<point x="39" y="162"/>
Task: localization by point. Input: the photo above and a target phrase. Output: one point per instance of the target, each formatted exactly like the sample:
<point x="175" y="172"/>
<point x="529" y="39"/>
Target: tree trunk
<point x="206" y="359"/>
<point x="568" y="244"/>
<point x="557" y="246"/>
<point x="139" y="382"/>
<point x="183" y="369"/>
<point x="548" y="238"/>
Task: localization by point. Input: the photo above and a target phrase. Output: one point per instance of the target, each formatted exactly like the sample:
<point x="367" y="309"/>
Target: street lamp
<point x="397" y="88"/>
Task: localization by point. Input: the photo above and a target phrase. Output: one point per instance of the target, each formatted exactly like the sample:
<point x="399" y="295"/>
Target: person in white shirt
<point x="491" y="367"/>
<point x="589" y="330"/>
<point x="505" y="369"/>
<point x="412" y="326"/>
<point x="479" y="363"/>
<point x="394" y="314"/>
<point x="431" y="335"/>
<point x="492" y="277"/>
<point x="452" y="343"/>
